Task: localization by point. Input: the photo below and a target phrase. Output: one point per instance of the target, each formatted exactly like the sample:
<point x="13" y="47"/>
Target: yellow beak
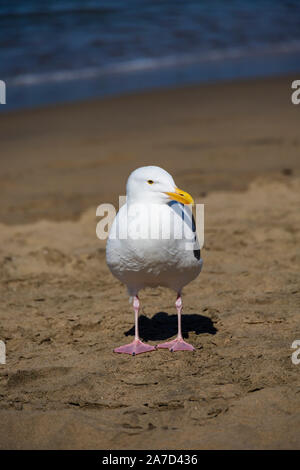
<point x="181" y="196"/>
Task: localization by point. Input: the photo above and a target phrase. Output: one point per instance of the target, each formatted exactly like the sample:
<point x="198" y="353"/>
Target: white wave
<point x="144" y="64"/>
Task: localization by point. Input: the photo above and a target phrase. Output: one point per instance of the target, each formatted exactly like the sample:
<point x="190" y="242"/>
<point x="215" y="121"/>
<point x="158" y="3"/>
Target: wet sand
<point x="235" y="148"/>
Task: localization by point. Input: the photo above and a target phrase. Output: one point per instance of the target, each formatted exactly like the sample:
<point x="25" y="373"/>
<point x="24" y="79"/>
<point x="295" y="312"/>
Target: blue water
<point x="63" y="50"/>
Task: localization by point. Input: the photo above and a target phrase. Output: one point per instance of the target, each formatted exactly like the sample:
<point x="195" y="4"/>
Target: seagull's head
<point x="155" y="185"/>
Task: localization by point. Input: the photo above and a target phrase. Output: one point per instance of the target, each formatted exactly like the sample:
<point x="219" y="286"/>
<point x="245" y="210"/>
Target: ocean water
<point x="64" y="50"/>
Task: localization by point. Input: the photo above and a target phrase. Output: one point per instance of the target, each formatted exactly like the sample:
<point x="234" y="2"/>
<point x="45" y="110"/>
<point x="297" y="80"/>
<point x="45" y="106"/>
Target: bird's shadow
<point x="163" y="326"/>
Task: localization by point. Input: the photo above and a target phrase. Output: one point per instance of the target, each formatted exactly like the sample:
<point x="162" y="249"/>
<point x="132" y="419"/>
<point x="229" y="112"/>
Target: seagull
<point x="152" y="242"/>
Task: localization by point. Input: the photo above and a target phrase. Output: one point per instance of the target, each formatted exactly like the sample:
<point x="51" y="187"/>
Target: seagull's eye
<point x="150" y="182"/>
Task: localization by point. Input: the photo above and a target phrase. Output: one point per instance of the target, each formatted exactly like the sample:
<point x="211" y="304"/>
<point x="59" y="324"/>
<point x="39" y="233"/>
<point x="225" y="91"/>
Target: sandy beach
<point x="235" y="147"/>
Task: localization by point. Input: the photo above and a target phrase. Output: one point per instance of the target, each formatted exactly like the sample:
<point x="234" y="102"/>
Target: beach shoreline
<point x="59" y="160"/>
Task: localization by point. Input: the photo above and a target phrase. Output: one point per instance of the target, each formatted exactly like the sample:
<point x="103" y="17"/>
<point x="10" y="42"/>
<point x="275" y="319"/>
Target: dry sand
<point x="235" y="147"/>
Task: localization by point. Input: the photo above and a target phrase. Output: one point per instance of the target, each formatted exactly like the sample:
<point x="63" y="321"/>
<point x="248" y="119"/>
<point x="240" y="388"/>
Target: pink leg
<point x="137" y="346"/>
<point x="177" y="344"/>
